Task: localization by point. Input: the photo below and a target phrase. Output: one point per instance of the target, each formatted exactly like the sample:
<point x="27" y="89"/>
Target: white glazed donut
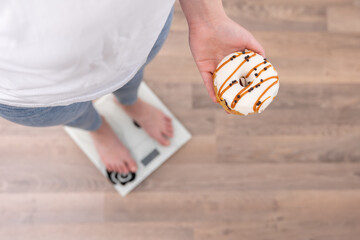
<point x="245" y="83"/>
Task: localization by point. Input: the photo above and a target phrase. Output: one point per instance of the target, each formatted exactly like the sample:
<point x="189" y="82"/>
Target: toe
<point x="131" y="165"/>
<point x="168" y="123"/>
<point x="169" y="126"/>
<point x="167" y="118"/>
<point x="109" y="167"/>
<point x="171" y="133"/>
<point x="122" y="168"/>
<point x="162" y="140"/>
<point x="168" y="131"/>
<point x="118" y="169"/>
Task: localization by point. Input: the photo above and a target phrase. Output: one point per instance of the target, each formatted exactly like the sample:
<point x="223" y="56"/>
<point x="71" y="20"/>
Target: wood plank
<point x="308" y="44"/>
<point x="289" y="209"/>
<point x="357" y="3"/>
<point x="51" y="176"/>
<point x="303" y="2"/>
<point x="324" y="215"/>
<point x="229" y="176"/>
<point x="100" y="231"/>
<point x="200" y="149"/>
<point x="51" y="208"/>
<point x="204" y="124"/>
<point x="277" y="17"/>
<point x="319" y="148"/>
<point x="322" y="70"/>
<point x="344" y="19"/>
<point x="224" y="175"/>
<point x="277" y="229"/>
<point x="174" y="95"/>
<point x="278" y="213"/>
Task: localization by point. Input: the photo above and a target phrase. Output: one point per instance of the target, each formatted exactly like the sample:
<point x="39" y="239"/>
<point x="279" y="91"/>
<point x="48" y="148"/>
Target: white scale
<point x="147" y="152"/>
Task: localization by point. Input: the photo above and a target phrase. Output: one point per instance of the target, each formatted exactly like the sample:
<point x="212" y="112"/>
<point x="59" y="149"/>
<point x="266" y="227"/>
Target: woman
<point x="58" y="56"/>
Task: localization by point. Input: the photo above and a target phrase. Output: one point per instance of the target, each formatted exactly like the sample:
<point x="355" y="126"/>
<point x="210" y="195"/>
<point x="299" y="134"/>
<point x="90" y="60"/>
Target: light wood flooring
<point x="292" y="172"/>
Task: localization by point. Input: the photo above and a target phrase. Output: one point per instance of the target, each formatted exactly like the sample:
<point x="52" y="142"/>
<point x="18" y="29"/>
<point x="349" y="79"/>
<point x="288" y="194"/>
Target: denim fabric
<point x="82" y="114"/>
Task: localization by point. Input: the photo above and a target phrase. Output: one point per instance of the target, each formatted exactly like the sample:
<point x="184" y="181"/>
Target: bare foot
<point x="112" y="151"/>
<point x="151" y="119"/>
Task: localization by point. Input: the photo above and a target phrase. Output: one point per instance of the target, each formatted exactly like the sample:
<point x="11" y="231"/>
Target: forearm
<point x="199" y="12"/>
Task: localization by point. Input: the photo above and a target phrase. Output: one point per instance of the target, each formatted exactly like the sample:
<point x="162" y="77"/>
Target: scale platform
<point x="147" y="152"/>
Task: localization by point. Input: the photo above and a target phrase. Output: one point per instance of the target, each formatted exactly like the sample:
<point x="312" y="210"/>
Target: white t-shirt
<point x="57" y="52"/>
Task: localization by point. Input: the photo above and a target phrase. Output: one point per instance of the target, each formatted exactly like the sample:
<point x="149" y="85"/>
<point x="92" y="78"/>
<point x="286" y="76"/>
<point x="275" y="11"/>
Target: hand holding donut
<point x="209" y="44"/>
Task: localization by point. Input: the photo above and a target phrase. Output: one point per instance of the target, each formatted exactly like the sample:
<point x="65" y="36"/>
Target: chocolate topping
<point x="226" y="104"/>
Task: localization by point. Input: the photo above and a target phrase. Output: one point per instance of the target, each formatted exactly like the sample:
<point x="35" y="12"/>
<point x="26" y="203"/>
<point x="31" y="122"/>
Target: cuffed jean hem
<point x="90" y="120"/>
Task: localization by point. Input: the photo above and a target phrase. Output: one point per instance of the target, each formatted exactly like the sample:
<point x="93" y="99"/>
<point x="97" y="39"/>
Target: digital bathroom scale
<point x="147" y="152"/>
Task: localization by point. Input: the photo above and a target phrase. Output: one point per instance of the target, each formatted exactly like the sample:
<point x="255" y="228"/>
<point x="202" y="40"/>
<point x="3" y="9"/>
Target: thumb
<point x="255" y="46"/>
<point x="208" y="81"/>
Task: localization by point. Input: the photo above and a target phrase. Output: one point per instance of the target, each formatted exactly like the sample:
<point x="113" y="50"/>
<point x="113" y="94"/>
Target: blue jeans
<point x="82" y="114"/>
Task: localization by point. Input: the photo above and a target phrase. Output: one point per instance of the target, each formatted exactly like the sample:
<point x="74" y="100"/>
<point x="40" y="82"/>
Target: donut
<point x="245" y="83"/>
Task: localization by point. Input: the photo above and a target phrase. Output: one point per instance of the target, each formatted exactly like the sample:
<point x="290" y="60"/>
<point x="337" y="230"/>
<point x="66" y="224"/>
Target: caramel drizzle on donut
<point x="242" y="91"/>
<point x="264" y="69"/>
<point x="228" y="61"/>
<point x="222" y="85"/>
<point x="256" y="108"/>
<point x="253" y="69"/>
<point x="248" y="75"/>
<point x="228" y="87"/>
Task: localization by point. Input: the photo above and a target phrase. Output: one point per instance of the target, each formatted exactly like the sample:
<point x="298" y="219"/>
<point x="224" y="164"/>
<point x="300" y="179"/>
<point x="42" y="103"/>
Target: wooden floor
<point x="292" y="172"/>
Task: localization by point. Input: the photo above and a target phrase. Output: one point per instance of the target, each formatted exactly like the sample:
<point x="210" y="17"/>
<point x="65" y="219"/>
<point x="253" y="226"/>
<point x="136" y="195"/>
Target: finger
<point x="255" y="46"/>
<point x="208" y="81"/>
